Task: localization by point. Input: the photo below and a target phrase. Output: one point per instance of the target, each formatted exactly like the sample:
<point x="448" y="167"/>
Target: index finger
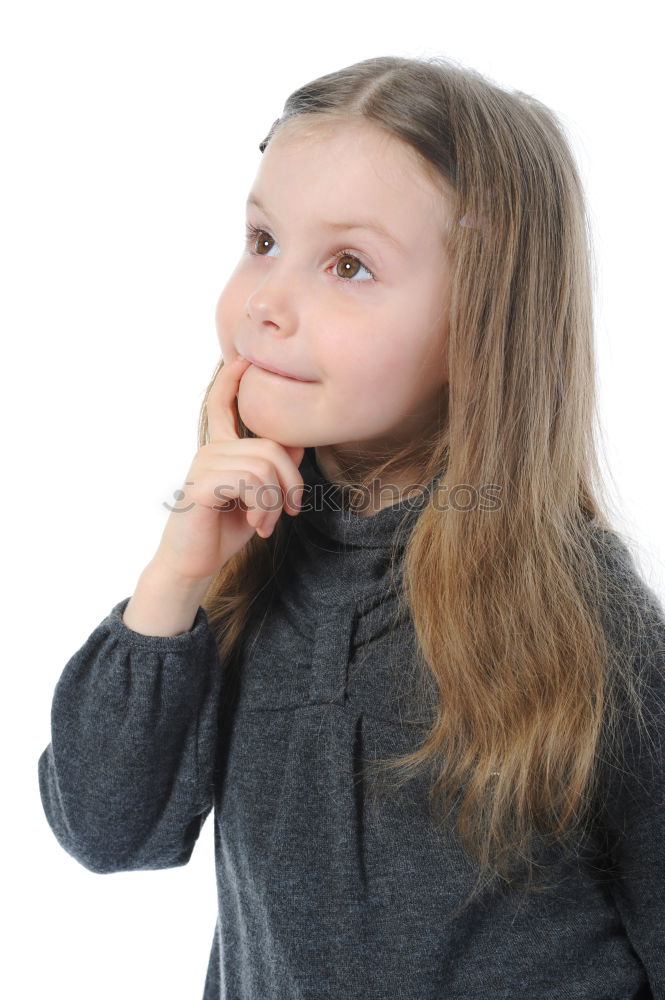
<point x="220" y="408"/>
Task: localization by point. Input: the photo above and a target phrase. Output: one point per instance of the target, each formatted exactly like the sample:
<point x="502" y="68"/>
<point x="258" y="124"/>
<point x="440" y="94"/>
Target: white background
<point x="130" y="135"/>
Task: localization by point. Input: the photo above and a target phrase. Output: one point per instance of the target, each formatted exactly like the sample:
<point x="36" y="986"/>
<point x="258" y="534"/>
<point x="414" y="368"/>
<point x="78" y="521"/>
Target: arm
<point x="128" y="778"/>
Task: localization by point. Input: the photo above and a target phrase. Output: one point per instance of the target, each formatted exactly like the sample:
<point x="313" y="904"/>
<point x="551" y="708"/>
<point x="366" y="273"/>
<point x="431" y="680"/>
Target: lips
<point x="275" y="371"/>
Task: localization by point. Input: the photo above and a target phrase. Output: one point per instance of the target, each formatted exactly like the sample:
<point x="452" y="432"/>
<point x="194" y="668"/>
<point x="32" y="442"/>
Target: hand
<point x="225" y="476"/>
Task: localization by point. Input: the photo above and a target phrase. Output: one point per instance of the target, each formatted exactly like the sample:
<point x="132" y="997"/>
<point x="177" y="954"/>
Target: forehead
<point x="354" y="144"/>
<point x="355" y="169"/>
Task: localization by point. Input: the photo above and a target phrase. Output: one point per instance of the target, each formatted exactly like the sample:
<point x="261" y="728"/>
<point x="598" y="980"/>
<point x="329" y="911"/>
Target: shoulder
<point x="632" y="611"/>
<point x="633" y="620"/>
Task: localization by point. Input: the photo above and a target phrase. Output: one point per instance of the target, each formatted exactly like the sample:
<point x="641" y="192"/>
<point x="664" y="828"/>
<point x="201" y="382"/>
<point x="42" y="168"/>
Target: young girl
<point x="428" y="705"/>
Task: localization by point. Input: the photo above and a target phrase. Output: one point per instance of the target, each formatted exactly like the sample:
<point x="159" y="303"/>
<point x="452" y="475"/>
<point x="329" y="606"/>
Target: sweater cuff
<point x="199" y="634"/>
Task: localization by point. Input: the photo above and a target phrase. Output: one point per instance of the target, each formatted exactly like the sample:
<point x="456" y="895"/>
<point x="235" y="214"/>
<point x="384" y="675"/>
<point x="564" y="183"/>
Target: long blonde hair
<point x="505" y="604"/>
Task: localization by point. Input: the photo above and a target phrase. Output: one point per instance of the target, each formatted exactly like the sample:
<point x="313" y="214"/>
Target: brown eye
<point x="260" y="239"/>
<point x="346" y="270"/>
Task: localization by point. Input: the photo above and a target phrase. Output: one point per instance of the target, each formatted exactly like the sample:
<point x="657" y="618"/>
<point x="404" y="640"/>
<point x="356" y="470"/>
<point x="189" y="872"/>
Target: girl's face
<point x="367" y="328"/>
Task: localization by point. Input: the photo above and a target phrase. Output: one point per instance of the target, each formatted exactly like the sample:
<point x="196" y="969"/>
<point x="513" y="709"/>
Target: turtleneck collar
<point x="323" y="513"/>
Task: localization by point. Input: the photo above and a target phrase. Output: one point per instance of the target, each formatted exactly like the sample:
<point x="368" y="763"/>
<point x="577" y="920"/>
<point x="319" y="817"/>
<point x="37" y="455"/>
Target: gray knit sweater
<point x="321" y="893"/>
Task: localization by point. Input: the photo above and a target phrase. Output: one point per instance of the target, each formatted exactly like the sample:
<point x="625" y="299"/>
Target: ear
<point x="469" y="221"/>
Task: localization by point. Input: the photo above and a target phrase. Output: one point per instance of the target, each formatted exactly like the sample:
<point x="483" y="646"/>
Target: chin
<point x="281" y="430"/>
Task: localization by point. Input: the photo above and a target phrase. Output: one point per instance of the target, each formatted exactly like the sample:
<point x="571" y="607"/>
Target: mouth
<point x="274" y="371"/>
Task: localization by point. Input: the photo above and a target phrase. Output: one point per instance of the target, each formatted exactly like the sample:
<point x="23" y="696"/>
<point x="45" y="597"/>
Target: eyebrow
<point x="368" y="224"/>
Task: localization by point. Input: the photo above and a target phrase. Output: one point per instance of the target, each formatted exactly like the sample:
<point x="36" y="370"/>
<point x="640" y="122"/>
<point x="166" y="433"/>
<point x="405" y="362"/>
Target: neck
<point x="377" y="492"/>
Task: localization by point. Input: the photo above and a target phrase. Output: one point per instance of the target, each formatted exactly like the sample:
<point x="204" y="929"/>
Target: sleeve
<point x="127" y="780"/>
<point x="634" y="809"/>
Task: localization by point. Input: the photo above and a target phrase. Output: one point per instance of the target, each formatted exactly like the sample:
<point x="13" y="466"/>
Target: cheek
<point x="228" y="315"/>
<point x="367" y="388"/>
<point x="385" y="370"/>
